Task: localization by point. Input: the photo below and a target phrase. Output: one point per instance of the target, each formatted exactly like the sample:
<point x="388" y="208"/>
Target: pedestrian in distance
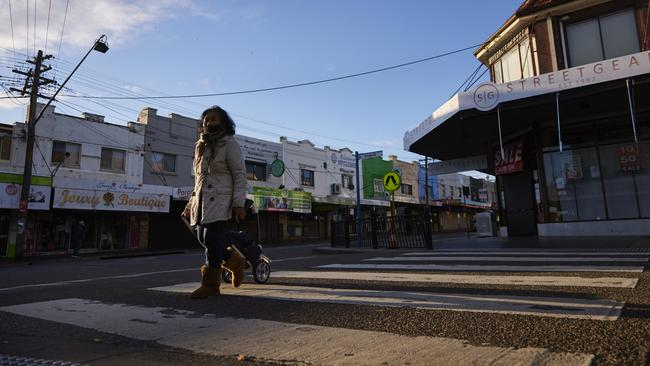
<point x="219" y="195"/>
<point x="77" y="237"/>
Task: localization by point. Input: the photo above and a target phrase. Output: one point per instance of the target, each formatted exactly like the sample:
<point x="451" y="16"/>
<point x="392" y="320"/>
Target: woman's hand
<point x="187" y="212"/>
<point x="239" y="213"/>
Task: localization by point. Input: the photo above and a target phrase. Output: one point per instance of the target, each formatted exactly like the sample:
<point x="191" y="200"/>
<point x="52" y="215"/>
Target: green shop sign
<point x="272" y="199"/>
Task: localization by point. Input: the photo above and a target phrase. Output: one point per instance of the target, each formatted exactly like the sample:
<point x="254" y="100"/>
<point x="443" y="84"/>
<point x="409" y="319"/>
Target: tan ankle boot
<point x="210" y="281"/>
<point x="235" y="264"/>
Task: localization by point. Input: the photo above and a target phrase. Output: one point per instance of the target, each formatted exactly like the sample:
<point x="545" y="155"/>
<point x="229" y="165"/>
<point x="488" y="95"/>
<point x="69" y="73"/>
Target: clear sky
<point x="192" y="46"/>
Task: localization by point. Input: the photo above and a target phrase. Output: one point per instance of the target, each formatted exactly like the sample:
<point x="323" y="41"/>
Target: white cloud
<point x="133" y="88"/>
<point x="122" y="21"/>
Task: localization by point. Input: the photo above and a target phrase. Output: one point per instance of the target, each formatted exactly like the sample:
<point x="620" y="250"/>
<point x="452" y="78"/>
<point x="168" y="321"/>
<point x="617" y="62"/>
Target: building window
<point x="307" y="177"/>
<point x="443" y="190"/>
<point x="601" y="38"/>
<point x="407" y="189"/>
<point x="378" y="185"/>
<point x="164" y="163"/>
<point x="5" y="146"/>
<point x="346" y="181"/>
<point x="60" y="148"/>
<point x="113" y="160"/>
<point x="255" y="171"/>
<point x="515" y="64"/>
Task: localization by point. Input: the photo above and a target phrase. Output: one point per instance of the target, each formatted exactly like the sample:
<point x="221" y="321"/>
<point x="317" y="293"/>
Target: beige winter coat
<point x="222" y="189"/>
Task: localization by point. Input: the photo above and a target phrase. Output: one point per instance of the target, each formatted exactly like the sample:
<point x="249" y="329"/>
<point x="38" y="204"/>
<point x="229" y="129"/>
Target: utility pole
<point x="36" y="81"/>
<point x="99" y="45"/>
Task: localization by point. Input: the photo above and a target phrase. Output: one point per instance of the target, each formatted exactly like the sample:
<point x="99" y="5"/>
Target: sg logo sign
<point x="486" y="97"/>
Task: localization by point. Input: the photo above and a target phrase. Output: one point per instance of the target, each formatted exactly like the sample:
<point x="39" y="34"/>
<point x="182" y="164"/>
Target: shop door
<point x="520" y="204"/>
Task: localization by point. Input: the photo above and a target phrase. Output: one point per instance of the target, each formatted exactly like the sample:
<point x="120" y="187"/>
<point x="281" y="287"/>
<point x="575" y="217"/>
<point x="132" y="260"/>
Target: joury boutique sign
<point x="104" y="200"/>
<point x="488" y="95"/>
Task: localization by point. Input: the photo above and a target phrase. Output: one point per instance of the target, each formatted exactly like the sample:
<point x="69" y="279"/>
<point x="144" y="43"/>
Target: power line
<point x="34" y="26"/>
<point x="11" y="21"/>
<point x="65" y="17"/>
<point x="289" y="85"/>
<point x="47" y="30"/>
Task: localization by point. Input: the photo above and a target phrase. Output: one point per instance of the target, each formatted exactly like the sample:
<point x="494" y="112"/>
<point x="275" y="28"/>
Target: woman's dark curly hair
<point x="223" y="116"/>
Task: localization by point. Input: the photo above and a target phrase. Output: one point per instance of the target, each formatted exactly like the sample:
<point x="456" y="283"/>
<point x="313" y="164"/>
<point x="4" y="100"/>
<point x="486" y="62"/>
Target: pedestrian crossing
<point x="538" y="285"/>
<point x="288" y="343"/>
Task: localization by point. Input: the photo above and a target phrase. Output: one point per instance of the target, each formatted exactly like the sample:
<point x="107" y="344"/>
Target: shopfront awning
<point x="468" y="124"/>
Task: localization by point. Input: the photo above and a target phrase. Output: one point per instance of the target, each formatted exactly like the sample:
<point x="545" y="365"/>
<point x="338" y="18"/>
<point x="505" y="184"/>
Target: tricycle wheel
<point x="261" y="271"/>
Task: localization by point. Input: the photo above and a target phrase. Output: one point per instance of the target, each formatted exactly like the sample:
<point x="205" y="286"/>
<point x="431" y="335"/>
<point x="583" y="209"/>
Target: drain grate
<point x="6" y="360"/>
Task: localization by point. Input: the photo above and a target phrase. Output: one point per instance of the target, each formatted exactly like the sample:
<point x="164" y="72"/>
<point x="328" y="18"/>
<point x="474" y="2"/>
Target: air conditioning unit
<point x="336" y="188"/>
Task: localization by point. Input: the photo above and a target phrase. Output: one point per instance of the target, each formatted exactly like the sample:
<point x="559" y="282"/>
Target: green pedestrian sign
<point x="392" y="181"/>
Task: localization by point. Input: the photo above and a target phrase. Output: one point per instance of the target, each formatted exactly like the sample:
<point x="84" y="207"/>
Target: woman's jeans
<point x="213" y="238"/>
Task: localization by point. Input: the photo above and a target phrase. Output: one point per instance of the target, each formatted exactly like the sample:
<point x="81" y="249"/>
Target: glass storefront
<point x="609" y="181"/>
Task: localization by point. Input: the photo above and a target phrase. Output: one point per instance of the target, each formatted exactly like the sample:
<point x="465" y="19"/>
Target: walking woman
<point x="219" y="194"/>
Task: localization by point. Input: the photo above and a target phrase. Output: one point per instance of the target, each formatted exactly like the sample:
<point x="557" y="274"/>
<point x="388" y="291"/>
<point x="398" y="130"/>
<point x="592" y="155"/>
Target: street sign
<point x="392" y="181"/>
<point x="372" y="154"/>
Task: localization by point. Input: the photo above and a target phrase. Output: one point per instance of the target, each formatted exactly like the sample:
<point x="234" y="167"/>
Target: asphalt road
<point x="568" y="307"/>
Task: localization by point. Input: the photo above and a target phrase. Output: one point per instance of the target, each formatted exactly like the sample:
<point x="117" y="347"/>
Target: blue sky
<point x="191" y="46"/>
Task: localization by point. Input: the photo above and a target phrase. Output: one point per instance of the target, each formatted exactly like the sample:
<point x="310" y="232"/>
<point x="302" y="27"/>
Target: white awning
<point x="488" y="96"/>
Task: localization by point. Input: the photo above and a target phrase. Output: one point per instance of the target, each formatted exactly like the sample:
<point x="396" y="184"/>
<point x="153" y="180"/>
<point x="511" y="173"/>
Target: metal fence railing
<point x="411" y="231"/>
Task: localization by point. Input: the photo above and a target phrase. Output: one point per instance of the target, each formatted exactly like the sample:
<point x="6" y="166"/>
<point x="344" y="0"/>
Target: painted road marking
<point x="530" y="252"/>
<point x="276" y="341"/>
<point x="517" y="305"/>
<point x="493" y="268"/>
<point x="413" y="258"/>
<point x="569" y="281"/>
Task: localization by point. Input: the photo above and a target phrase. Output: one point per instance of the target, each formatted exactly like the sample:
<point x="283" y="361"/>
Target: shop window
<point x="60" y="148"/>
<point x="307" y="177"/>
<point x="574" y="185"/>
<point x="642" y="177"/>
<point x="113" y="160"/>
<point x="163" y="163"/>
<point x="601" y="38"/>
<point x="255" y="171"/>
<point x="619" y="164"/>
<point x="407" y="189"/>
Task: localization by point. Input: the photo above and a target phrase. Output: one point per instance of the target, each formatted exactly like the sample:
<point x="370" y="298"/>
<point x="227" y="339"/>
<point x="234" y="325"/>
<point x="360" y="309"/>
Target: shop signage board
<point x="512" y="161"/>
<point x="629" y="158"/>
<point x="182" y="193"/>
<point x="105" y="200"/>
<point x="488" y="96"/>
<point x="458" y="165"/>
<point x="272" y="199"/>
<point x="39" y="194"/>
<point x="372" y="154"/>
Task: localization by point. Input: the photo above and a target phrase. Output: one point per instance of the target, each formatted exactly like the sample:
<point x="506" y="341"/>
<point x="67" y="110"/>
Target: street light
<point x="100" y="45"/>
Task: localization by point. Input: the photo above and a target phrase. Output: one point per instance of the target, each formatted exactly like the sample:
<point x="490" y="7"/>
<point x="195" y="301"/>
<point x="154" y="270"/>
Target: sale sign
<point x="512" y="161"/>
<point x="629" y="158"/>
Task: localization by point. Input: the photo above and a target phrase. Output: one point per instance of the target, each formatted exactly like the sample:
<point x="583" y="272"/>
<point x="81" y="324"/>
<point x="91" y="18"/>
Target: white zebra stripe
<point x="568" y="281"/>
<point x="277" y="341"/>
<point x="494" y="268"/>
<point x="516" y="305"/>
<point x="505" y="259"/>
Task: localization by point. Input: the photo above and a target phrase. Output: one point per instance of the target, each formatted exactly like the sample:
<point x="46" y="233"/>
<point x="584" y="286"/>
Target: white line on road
<point x="530" y="252"/>
<point x="495" y="268"/>
<point x="515" y="305"/>
<point x="134" y="275"/>
<point x="413" y="258"/>
<point x="617" y="282"/>
<point x="276" y="341"/>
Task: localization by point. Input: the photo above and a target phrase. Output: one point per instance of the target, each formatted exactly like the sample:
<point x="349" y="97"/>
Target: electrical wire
<point x="65" y="17"/>
<point x="288" y="86"/>
<point x="47" y="30"/>
<point x="11" y="21"/>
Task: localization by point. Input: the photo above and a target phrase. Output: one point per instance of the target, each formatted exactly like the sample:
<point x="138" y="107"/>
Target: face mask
<point x="213" y="129"/>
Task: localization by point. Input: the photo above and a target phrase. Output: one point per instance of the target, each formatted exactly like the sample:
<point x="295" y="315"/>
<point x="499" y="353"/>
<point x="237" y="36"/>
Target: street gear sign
<point x="392" y="181"/>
